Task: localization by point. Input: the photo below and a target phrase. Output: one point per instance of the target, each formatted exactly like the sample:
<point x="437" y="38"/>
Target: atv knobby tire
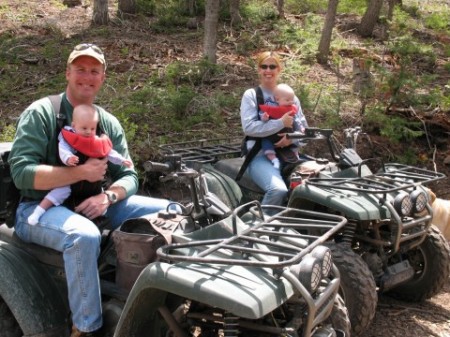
<point x="338" y="318"/>
<point x="357" y="287"/>
<point x="8" y="324"/>
<point x="431" y="263"/>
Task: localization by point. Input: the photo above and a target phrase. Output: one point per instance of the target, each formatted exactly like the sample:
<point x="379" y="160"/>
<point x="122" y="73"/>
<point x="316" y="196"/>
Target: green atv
<point x="388" y="245"/>
<point x="226" y="272"/>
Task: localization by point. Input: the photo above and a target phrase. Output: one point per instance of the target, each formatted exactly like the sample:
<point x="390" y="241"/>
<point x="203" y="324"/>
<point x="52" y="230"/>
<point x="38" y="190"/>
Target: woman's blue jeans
<point x="269" y="179"/>
<point x="78" y="239"/>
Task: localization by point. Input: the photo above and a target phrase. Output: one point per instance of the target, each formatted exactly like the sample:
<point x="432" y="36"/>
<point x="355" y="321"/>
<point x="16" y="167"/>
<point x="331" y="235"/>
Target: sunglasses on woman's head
<point x="84" y="46"/>
<point x="270" y="66"/>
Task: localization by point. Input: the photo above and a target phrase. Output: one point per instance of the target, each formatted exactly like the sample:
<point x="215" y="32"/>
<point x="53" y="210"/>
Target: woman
<point x="263" y="173"/>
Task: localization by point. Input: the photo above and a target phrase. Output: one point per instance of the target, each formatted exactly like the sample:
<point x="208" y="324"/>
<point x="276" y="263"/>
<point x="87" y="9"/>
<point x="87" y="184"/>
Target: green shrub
<point x="438" y="21"/>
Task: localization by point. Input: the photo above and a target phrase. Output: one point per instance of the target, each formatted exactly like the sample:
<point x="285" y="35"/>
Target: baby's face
<point x="85" y="128"/>
<point x="285" y="99"/>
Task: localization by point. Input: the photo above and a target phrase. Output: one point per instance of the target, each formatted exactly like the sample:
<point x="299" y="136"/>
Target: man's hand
<point x="94" y="169"/>
<point x="94" y="206"/>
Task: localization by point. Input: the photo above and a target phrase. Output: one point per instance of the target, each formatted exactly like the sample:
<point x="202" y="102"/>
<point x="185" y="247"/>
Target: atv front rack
<point x="394" y="177"/>
<point x="203" y="150"/>
<point x="282" y="240"/>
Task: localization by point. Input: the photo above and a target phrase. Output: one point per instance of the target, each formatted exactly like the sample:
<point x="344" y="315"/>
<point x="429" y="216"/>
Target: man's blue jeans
<point x="78" y="239"/>
<point x="269" y="179"/>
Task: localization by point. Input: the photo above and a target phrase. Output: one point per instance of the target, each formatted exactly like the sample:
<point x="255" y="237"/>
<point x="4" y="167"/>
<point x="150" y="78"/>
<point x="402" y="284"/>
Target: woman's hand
<point x="284" y="141"/>
<point x="288" y="120"/>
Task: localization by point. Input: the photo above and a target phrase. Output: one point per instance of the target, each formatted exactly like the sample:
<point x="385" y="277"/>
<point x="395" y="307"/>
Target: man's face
<point x="85" y="76"/>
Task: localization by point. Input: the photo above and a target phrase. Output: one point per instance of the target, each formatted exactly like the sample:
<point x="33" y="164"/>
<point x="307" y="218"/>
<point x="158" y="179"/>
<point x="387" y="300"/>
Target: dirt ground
<point x="393" y="318"/>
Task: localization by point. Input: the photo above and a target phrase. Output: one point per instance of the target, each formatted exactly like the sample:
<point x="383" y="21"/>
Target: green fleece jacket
<point x="36" y="143"/>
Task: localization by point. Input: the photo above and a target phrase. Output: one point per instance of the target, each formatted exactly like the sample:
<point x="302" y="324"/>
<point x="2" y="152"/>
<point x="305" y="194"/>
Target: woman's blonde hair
<point x="268" y="54"/>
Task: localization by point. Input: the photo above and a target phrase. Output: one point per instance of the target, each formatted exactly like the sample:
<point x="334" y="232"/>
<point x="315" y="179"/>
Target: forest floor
<point x="393" y="318"/>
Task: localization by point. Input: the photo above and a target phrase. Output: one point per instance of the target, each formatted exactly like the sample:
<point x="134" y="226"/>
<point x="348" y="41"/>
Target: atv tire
<point x="8" y="324"/>
<point x="431" y="263"/>
<point x="357" y="287"/>
<point x="339" y="319"/>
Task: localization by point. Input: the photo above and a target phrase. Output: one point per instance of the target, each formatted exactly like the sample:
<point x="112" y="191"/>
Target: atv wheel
<point x="339" y="319"/>
<point x="357" y="287"/>
<point x="431" y="263"/>
<point x="8" y="324"/>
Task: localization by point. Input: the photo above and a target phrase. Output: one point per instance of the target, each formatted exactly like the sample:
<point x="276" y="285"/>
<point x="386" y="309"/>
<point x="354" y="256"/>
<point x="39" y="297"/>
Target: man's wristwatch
<point x="112" y="197"/>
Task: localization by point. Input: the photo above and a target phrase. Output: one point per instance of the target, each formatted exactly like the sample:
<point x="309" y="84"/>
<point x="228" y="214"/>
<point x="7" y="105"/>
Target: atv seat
<point x="45" y="255"/>
<point x="231" y="167"/>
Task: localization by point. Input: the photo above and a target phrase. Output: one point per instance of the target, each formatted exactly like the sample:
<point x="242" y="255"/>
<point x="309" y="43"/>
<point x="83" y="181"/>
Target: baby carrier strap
<point x="249" y="155"/>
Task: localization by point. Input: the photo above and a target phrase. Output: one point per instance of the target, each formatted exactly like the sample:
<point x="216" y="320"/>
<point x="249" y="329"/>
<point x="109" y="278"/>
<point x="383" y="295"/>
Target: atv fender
<point x="351" y="204"/>
<point x="31" y="294"/>
<point x="245" y="292"/>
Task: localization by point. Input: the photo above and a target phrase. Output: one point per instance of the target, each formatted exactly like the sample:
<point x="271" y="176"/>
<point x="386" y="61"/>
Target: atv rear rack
<point x="203" y="150"/>
<point x="282" y="240"/>
<point x="211" y="150"/>
<point x="395" y="177"/>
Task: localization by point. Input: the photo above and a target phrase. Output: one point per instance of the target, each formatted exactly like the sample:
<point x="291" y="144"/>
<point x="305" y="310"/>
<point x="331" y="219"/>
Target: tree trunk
<point x="211" y="21"/>
<point x="325" y="39"/>
<point x="370" y="18"/>
<point x="190" y="7"/>
<point x="280" y="8"/>
<point x="127" y="7"/>
<point x="391" y="8"/>
<point x="100" y="13"/>
<point x="236" y="19"/>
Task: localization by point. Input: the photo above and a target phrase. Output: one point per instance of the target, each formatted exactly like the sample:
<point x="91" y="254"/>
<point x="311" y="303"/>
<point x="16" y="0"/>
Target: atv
<point x="388" y="245"/>
<point x="211" y="271"/>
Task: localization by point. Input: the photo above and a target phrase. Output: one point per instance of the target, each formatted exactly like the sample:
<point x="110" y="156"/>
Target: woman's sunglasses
<point x="270" y="66"/>
<point x="84" y="46"/>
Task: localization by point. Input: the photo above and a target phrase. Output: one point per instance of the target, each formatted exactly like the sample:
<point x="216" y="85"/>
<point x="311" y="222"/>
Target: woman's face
<point x="268" y="72"/>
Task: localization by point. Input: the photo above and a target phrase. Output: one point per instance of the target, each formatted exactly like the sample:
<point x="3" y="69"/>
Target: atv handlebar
<point x="150" y="166"/>
<point x="311" y="133"/>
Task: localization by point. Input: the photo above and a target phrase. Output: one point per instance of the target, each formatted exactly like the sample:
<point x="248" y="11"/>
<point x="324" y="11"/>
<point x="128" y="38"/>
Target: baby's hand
<point x="72" y="161"/>
<point x="265" y="117"/>
<point x="127" y="163"/>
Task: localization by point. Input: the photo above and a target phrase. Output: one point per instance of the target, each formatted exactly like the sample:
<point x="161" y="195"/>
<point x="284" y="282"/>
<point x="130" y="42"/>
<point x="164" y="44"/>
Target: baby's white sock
<point x="33" y="219"/>
<point x="276" y="163"/>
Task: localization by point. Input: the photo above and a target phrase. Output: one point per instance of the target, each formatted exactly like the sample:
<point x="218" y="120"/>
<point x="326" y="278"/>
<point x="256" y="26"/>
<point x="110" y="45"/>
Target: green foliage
<point x="396" y="129"/>
<point x="157" y="102"/>
<point x="7" y="132"/>
<point x="304" y="7"/>
<point x="193" y="73"/>
<point x="321" y="103"/>
<point x="258" y="12"/>
<point x="438" y="21"/>
<point x="303" y="38"/>
<point x="146" y="7"/>
<point x="173" y="14"/>
<point x="404" y="86"/>
<point x="352" y="6"/>
<point x="248" y="42"/>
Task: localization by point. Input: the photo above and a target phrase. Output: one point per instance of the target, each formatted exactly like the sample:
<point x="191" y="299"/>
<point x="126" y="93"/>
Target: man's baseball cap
<point x="87" y="49"/>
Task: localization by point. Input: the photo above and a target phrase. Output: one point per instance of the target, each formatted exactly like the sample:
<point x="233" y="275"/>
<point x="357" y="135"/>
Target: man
<point x="35" y="171"/>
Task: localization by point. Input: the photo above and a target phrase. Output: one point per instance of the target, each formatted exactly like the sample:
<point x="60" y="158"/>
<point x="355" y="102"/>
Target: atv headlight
<point x="323" y="254"/>
<point x="419" y="200"/>
<point x="308" y="272"/>
<point x="403" y="204"/>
